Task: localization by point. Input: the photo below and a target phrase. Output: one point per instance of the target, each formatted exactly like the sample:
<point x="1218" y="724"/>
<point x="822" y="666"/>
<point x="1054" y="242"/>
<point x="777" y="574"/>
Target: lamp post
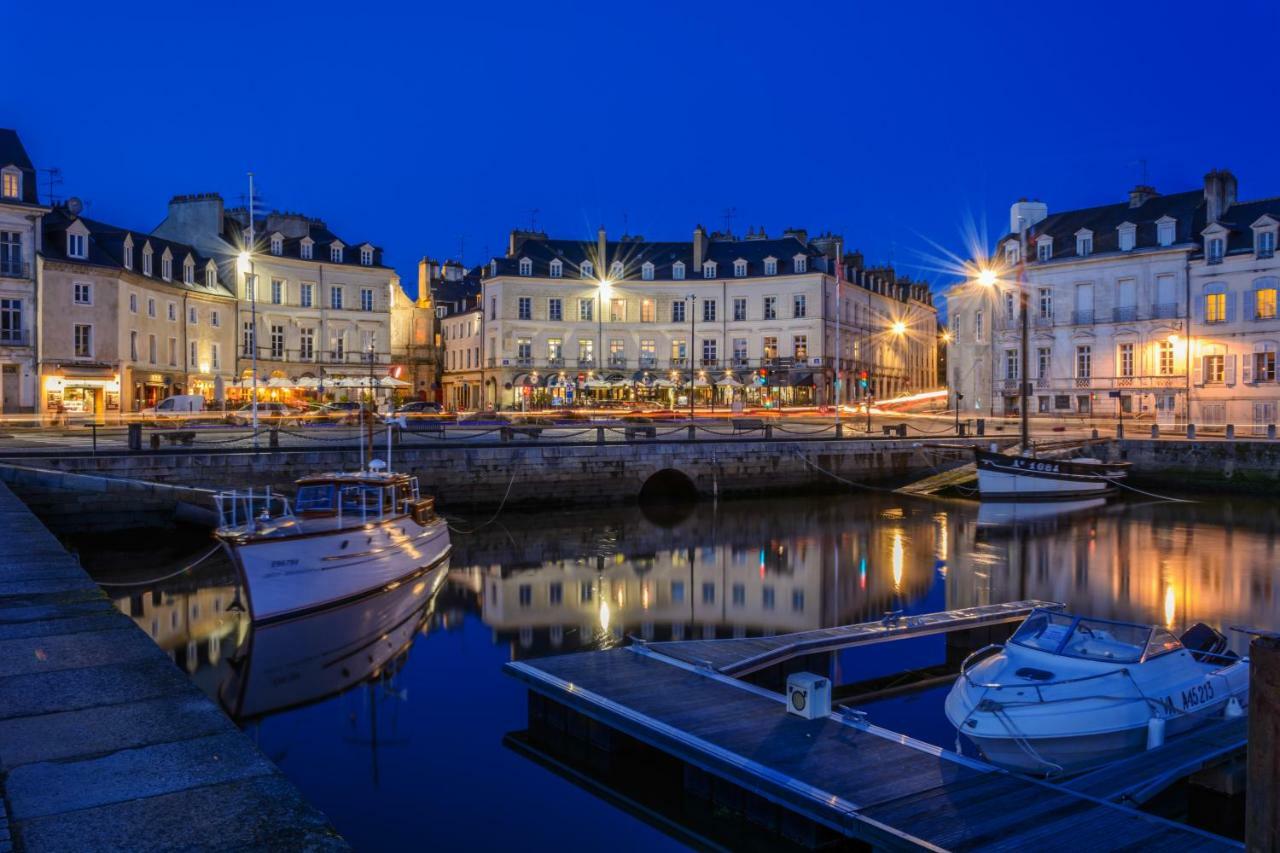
<point x="245" y="263"/>
<point x="693" y="318"/>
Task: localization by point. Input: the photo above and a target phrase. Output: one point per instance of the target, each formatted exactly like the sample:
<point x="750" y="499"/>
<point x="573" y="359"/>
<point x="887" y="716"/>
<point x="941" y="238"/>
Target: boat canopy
<point x="1093" y="639"/>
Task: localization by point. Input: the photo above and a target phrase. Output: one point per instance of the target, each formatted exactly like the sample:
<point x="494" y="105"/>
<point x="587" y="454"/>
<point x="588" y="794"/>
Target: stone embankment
<point x="104" y="742"/>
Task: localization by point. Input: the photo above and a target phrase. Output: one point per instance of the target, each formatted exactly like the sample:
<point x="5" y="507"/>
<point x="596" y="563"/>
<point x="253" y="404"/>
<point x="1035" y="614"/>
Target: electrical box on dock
<point x="808" y="695"/>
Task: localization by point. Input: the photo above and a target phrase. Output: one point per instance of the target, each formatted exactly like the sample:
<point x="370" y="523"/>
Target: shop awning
<point x="530" y="380"/>
<point x="801" y="380"/>
<point x="728" y="381"/>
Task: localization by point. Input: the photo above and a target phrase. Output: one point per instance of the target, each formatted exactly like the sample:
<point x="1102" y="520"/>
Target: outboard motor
<point x="1206" y="644"/>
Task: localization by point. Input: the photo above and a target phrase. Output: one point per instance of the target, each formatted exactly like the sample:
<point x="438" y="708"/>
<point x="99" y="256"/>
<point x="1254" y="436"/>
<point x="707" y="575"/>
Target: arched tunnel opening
<point x="668" y="497"/>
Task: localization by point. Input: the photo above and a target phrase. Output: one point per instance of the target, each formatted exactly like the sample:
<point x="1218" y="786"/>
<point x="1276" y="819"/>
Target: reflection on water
<point x="389" y="714"/>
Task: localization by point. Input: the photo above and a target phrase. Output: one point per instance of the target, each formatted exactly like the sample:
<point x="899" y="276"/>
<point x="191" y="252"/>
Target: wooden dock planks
<point x="743" y="656"/>
<point x="862" y="781"/>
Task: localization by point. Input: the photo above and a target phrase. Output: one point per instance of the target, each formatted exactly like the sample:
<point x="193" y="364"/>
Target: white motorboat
<point x="342" y="536"/>
<point x="1003" y="477"/>
<point x="1067" y="693"/>
<point x="294" y="662"/>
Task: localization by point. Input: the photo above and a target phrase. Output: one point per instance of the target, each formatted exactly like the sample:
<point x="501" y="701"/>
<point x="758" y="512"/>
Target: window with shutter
<point x="1230" y="377"/>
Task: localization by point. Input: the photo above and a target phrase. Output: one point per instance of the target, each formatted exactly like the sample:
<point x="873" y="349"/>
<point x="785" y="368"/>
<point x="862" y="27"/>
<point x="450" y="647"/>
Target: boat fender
<point x="1233" y="709"/>
<point x="1155" y="732"/>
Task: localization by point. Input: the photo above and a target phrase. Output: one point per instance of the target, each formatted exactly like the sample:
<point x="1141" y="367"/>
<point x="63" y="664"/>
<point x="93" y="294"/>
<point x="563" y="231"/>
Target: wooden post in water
<point x="1262" y="803"/>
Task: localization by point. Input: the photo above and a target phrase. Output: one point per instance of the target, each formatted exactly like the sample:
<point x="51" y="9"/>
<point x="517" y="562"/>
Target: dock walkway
<point x="862" y="781"/>
<point x="104" y="743"/>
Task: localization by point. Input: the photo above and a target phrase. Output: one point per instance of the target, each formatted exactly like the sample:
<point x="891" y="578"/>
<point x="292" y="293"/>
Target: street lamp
<point x="244" y="263"/>
<point x="693" y="318"/>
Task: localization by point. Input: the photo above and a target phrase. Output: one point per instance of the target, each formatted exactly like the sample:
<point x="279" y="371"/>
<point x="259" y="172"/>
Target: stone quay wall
<point x="1214" y="464"/>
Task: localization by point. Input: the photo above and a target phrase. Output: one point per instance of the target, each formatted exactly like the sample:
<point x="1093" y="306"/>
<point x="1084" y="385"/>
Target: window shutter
<point x="1198" y="308"/>
<point x="1198" y="373"/>
<point x="1247" y="369"/>
<point x="1231" y="370"/>
<point x="1250" y="306"/>
<point x="1231" y="308"/>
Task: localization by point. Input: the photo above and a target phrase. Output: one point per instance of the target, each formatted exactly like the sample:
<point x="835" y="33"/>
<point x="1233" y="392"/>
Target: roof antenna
<point x="54" y="175"/>
<point x="533" y="219"/>
<point x="729" y="213"/>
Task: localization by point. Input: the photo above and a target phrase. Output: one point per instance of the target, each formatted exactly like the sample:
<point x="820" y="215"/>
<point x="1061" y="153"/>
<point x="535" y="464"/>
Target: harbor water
<point x="390" y="714"/>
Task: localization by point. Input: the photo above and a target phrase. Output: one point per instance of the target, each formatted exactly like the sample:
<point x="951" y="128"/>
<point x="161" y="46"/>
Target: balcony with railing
<point x="616" y="360"/>
<point x="648" y="362"/>
<point x="1164" y="310"/>
<point x="1124" y="314"/>
<point x="14" y="338"/>
<point x="1043" y="321"/>
<point x="524" y="361"/>
<point x="1082" y="317"/>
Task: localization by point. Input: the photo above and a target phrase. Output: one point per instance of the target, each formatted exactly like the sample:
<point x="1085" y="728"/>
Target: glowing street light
<point x="987" y="277"/>
<point x="899" y="328"/>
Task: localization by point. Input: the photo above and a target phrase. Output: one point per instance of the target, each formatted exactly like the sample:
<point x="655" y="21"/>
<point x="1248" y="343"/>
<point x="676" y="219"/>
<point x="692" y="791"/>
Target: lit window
<point x="11" y="187"/>
<point x="1264" y="302"/>
<point x="1215" y="308"/>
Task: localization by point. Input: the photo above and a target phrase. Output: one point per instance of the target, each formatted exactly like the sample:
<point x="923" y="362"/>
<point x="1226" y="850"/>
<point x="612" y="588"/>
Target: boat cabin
<point x="1093" y="639"/>
<point x="326" y="501"/>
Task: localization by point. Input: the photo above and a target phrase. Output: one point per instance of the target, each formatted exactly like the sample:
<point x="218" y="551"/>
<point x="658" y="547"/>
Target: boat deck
<point x="861" y="781"/>
<point x="743" y="656"/>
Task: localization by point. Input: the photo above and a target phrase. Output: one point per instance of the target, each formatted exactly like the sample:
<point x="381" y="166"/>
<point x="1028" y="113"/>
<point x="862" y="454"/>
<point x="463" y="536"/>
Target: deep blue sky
<point x="422" y="125"/>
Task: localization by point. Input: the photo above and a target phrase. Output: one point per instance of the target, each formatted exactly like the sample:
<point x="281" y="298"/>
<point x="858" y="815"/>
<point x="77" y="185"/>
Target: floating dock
<point x="855" y="780"/>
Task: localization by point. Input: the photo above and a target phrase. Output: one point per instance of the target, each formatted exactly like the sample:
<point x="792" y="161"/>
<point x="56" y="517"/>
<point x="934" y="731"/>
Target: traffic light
<point x="862" y="380"/>
<point x="762" y="377"/>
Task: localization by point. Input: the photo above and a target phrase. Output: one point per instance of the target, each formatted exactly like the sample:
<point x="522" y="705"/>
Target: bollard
<point x="1119" y="430"/>
<point x="1095" y="432"/>
<point x="982" y="426"/>
<point x="768" y="432"/>
<point x="902" y="430"/>
<point x="839" y="431"/>
<point x="1231" y="430"/>
<point x="1262" y="806"/>
<point x="273" y="437"/>
<point x="1271" y="430"/>
<point x="1191" y="430"/>
<point x="599" y="435"/>
<point x="1155" y="430"/>
<point x="135" y="436"/>
<point x="960" y="429"/>
<point x="155" y="441"/>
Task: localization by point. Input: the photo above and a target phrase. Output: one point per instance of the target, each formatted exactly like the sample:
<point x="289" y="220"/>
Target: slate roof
<point x="663" y="255"/>
<point x="323" y="239"/>
<point x="1187" y="208"/>
<point x="457" y="296"/>
<point x="12" y="153"/>
<point x="106" y="249"/>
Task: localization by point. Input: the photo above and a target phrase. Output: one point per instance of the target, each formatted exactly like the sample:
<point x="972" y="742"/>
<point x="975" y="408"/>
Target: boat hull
<point x="290" y="575"/>
<point x="1002" y="477"/>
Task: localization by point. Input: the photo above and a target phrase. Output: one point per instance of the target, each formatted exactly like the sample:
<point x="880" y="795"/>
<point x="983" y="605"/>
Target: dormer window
<point x="11" y="182"/>
<point x="335" y="254"/>
<point x="588" y="269"/>
<point x="800" y="263"/>
<point x="646" y="271"/>
<point x="366" y="256"/>
<point x="677" y="270"/>
<point x="557" y="268"/>
<point x="306" y="248"/>
<point x="128" y="251"/>
<point x="616" y="270"/>
<point x="493" y="268"/>
<point x="277" y="245"/>
<point x="1213" y="250"/>
<point x="1264" y="244"/>
<point x="526" y="266"/>
<point x="210" y="276"/>
<point x="739" y="268"/>
<point x="76" y="246"/>
<point x="1044" y="249"/>
<point x="1010" y="253"/>
<point x="1084" y="243"/>
<point x="1165" y="227"/>
<point x="1128" y="234"/>
<point x="189" y="272"/>
<point x="708" y="269"/>
<point x="146" y="259"/>
<point x="166" y="266"/>
<point x="771" y="266"/>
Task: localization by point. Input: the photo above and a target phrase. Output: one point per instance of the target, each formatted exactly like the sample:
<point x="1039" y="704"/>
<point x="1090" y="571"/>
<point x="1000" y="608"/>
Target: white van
<point x="178" y="408"/>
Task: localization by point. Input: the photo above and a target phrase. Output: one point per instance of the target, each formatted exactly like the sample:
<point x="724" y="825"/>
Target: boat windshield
<point x="314" y="498"/>
<point x="1092" y="639"/>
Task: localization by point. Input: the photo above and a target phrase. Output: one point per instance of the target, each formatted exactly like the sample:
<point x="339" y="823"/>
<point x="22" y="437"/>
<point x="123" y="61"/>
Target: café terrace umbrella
<point x="308" y="382"/>
<point x="280" y="382"/>
<point x="392" y="382"/>
<point x="728" y="381"/>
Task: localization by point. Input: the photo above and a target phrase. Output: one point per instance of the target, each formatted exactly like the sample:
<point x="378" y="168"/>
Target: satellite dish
<point x="74" y="206"/>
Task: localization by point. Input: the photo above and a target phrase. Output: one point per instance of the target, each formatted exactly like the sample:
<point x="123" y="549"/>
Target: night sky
<point x="426" y="128"/>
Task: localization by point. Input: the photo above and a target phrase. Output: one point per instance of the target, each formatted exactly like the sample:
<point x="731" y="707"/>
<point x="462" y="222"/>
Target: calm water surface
<point x="390" y="714"/>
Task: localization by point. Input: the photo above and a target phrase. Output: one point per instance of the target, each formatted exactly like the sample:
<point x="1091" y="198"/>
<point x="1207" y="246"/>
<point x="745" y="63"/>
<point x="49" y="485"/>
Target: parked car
<point x="419" y="407"/>
<point x="269" y="414"/>
<point x="326" y="414"/>
<point x="178" y="409"/>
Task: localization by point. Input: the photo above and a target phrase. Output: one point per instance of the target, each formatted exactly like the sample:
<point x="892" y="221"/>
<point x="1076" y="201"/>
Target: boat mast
<point x="1023" y="301"/>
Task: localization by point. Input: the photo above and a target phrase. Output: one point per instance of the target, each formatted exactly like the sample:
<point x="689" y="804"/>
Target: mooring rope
<point x="187" y="568"/>
<point x="1150" y="494"/>
<point x="496" y="513"/>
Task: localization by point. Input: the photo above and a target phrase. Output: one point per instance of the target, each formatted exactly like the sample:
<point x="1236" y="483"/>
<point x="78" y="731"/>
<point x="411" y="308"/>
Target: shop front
<point x="150" y="388"/>
<point x="82" y="393"/>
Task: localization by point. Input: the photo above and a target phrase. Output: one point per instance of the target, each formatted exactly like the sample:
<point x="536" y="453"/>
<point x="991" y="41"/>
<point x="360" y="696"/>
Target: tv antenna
<point x="729" y="213"/>
<point x="533" y="219"/>
<point x="54" y="176"/>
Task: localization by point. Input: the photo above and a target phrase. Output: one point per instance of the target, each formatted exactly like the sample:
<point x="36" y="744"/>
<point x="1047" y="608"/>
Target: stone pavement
<point x="104" y="743"/>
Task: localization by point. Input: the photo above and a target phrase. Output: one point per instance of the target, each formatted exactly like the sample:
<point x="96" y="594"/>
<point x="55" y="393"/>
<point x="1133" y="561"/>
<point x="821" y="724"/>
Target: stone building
<point x="127" y="319"/>
<point x="415" y="350"/>
<point x="20" y="232"/>
<point x="1166" y="302"/>
<point x="323" y="305"/>
<point x="751" y="319"/>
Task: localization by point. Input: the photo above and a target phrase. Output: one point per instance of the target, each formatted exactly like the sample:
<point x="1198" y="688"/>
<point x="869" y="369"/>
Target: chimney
<point x="699" y="248"/>
<point x="1024" y="214"/>
<point x="1139" y="195"/>
<point x="424" y="283"/>
<point x="1219" y="193"/>
<point x="193" y="218"/>
<point x="602" y="256"/>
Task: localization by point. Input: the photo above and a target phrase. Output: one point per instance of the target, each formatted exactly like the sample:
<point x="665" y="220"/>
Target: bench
<point x="747" y="425"/>
<point x="432" y="427"/>
<point x="509" y="432"/>
<point x="185" y="437"/>
<point x="634" y="432"/>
